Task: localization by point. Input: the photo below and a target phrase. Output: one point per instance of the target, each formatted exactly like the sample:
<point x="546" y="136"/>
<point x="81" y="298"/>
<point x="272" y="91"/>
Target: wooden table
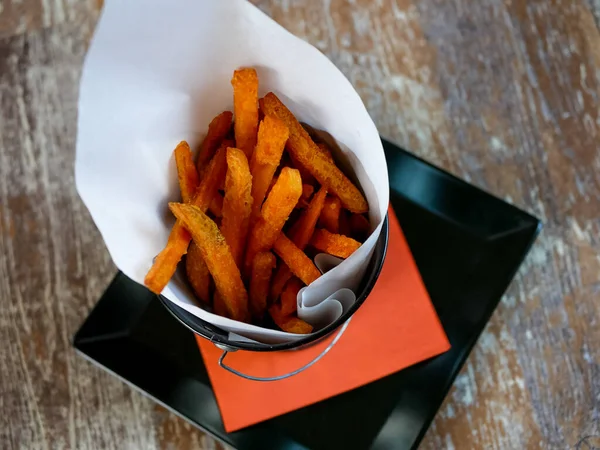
<point x="502" y="93"/>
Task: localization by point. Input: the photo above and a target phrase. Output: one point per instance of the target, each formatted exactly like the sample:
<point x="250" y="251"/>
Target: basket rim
<point x="218" y="336"/>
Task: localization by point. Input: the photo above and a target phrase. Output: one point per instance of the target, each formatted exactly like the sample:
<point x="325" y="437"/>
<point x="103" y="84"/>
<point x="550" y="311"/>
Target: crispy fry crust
<point x="289" y="296"/>
<point x="216" y="205"/>
<point x="290" y="324"/>
<point x="334" y="244"/>
<point x="197" y="273"/>
<point x="218" y="258"/>
<point x="272" y="136"/>
<point x="245" y="107"/>
<point x="237" y="203"/>
<point x="310" y="156"/>
<point x="186" y="171"/>
<point x="262" y="268"/>
<point x="330" y="216"/>
<point x="217" y="130"/>
<point x="307" y="192"/>
<point x="165" y="264"/>
<point x="326" y="151"/>
<point x="275" y="211"/>
<point x="296" y="260"/>
<point x="300" y="234"/>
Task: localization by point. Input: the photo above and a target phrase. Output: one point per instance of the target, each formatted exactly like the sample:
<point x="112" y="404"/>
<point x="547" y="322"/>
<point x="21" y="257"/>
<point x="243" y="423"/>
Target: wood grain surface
<point x="503" y="93"/>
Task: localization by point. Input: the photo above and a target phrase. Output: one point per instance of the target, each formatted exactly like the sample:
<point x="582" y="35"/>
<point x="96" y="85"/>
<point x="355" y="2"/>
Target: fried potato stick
<point x="216" y="205"/>
<point x="303" y="148"/>
<point x="272" y="136"/>
<point x="300" y="264"/>
<point x="307" y="192"/>
<point x="326" y="151"/>
<point x="289" y="324"/>
<point x="237" y="203"/>
<point x="330" y="216"/>
<point x="245" y="108"/>
<point x="218" y="258"/>
<point x="300" y="234"/>
<point x="289" y="296"/>
<point x="217" y="130"/>
<point x="334" y="244"/>
<point x="274" y="213"/>
<point x="186" y="171"/>
<point x="262" y="269"/>
<point x="197" y="273"/>
<point x="165" y="263"/>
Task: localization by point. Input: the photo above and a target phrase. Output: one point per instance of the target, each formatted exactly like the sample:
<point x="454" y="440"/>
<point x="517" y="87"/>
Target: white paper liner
<point x="156" y="73"/>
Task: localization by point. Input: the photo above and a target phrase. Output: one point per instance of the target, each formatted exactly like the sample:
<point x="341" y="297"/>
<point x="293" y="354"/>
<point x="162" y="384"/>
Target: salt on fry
<point x="186" y="171"/>
<point x="289" y="324"/>
<point x="334" y="244"/>
<point x="299" y="264"/>
<point x="262" y="269"/>
<point x="273" y="215"/>
<point x="272" y="136"/>
<point x="197" y="273"/>
<point x="218" y="258"/>
<point x="245" y="108"/>
<point x="307" y="153"/>
<point x="165" y="263"/>
<point x="300" y="234"/>
<point x="289" y="296"/>
<point x="330" y="216"/>
<point x="217" y="130"/>
<point x="237" y="203"/>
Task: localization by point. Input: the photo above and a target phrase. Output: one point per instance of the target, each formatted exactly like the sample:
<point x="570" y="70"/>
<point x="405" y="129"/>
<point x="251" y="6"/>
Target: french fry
<point x="216" y="205"/>
<point x="307" y="177"/>
<point x="219" y="306"/>
<point x="237" y="204"/>
<point x="330" y="216"/>
<point x="289" y="296"/>
<point x="275" y="211"/>
<point x="307" y="192"/>
<point x="197" y="273"/>
<point x="300" y="233"/>
<point x="218" y="258"/>
<point x="217" y="130"/>
<point x="186" y="171"/>
<point x="334" y="244"/>
<point x="296" y="260"/>
<point x="272" y="136"/>
<point x="165" y="264"/>
<point x="360" y="228"/>
<point x="262" y="269"/>
<point x="245" y="108"/>
<point x="326" y="151"/>
<point x="307" y="153"/>
<point x="289" y="324"/>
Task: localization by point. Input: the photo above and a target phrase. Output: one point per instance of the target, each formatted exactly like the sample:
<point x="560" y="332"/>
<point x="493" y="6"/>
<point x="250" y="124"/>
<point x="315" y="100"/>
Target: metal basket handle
<point x="290" y="374"/>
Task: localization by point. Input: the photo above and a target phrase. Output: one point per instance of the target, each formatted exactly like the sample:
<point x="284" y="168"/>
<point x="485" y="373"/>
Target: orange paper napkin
<point x="395" y="328"/>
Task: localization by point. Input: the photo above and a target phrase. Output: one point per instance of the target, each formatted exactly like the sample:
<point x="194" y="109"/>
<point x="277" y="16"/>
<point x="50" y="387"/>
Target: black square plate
<point x="467" y="245"/>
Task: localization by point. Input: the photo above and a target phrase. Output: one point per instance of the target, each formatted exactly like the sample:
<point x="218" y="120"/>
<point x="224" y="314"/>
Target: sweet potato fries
<point x="260" y="200"/>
